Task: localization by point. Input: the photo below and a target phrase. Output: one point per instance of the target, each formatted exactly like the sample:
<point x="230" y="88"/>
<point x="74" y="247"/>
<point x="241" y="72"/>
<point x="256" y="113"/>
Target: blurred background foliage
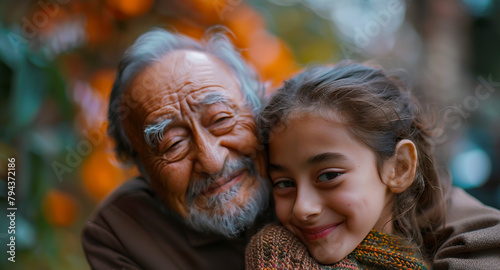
<point x="58" y="60"/>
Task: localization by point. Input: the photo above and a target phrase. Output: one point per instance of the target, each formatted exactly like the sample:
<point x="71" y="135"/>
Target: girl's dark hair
<point x="380" y="111"/>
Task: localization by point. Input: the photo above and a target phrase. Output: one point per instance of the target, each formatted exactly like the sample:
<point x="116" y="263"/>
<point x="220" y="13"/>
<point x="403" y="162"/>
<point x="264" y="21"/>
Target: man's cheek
<point x="174" y="187"/>
<point x="176" y="178"/>
<point x="250" y="147"/>
<point x="243" y="142"/>
<point x="170" y="180"/>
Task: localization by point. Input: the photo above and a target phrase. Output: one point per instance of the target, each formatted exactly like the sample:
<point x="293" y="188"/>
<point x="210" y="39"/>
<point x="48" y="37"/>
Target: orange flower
<point x="59" y="208"/>
<point x="125" y="9"/>
<point x="244" y="22"/>
<point x="102" y="81"/>
<point x="271" y="57"/>
<point x="206" y="11"/>
<point x="188" y="28"/>
<point x="100" y="175"/>
<point x="98" y="27"/>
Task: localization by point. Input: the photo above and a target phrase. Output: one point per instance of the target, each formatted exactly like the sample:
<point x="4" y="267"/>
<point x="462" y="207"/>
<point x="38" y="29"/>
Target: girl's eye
<point x="284" y="184"/>
<point x="328" y="176"/>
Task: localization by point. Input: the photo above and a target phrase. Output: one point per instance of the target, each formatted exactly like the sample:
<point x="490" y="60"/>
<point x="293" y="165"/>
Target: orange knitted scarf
<point x="274" y="247"/>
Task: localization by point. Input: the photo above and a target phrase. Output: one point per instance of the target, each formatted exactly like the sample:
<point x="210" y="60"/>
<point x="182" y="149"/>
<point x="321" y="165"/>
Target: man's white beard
<point x="222" y="214"/>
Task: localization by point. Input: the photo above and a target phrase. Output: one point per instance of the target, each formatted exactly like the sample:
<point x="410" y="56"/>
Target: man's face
<point x="195" y="137"/>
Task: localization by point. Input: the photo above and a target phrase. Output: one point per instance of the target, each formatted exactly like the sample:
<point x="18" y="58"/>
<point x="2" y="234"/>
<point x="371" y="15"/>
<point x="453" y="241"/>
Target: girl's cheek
<point x="284" y="208"/>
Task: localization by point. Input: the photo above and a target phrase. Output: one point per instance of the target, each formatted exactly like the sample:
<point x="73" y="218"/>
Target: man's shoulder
<point x="135" y="191"/>
<point x="471" y="234"/>
<point x="132" y="226"/>
<point x="461" y="205"/>
<point x="132" y="187"/>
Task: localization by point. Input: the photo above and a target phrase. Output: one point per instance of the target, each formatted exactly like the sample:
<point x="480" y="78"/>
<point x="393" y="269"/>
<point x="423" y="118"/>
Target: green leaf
<point x="29" y="87"/>
<point x="12" y="48"/>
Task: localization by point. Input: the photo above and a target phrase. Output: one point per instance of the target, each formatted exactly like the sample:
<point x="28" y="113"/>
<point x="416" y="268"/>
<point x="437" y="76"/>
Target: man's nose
<point x="210" y="156"/>
<point x="307" y="204"/>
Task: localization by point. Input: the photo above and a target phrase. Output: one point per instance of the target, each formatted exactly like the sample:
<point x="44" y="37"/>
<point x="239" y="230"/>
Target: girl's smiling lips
<point x="316" y="233"/>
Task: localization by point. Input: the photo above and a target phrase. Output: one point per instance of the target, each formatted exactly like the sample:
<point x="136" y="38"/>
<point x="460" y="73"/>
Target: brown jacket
<point x="132" y="230"/>
<point x="472" y="232"/>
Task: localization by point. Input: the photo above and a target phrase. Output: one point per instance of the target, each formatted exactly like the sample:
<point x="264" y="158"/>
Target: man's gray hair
<point x="151" y="47"/>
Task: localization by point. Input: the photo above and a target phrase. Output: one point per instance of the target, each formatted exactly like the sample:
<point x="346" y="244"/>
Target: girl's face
<point x="326" y="185"/>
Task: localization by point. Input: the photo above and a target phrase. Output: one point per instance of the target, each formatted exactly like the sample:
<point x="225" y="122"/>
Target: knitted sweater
<point x="274" y="247"/>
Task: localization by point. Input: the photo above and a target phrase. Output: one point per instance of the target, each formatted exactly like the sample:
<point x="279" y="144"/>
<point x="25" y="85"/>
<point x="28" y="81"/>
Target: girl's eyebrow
<point x="275" y="168"/>
<point x="323" y="157"/>
<point x="327" y="157"/>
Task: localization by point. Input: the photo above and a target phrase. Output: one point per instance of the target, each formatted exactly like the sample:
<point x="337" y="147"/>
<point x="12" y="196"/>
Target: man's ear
<point x="401" y="167"/>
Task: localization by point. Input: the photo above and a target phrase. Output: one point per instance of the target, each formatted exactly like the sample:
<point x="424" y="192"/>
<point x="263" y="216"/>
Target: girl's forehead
<point x="332" y="117"/>
<point x="328" y="114"/>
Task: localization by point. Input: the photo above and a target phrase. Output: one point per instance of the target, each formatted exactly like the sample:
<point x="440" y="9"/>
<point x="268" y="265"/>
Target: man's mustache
<point x="197" y="186"/>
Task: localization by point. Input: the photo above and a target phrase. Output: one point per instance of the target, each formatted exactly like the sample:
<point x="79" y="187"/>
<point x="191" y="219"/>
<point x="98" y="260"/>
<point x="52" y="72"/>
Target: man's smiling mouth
<point x="224" y="183"/>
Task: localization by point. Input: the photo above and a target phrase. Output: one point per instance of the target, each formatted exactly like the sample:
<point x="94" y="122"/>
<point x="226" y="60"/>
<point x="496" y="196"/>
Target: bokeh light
<point x="471" y="168"/>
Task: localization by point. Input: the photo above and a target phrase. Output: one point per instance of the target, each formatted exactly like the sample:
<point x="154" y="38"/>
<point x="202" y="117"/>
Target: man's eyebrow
<point x="153" y="134"/>
<point x="213" y="98"/>
<point x="324" y="157"/>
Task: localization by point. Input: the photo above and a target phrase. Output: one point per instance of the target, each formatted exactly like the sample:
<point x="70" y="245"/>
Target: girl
<point x="354" y="178"/>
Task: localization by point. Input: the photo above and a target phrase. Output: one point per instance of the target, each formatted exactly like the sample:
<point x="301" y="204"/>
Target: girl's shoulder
<point x="382" y="250"/>
<point x="274" y="247"/>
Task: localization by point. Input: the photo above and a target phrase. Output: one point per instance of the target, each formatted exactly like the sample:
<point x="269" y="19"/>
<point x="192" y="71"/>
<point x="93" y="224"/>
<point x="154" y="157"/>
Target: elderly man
<point x="183" y="113"/>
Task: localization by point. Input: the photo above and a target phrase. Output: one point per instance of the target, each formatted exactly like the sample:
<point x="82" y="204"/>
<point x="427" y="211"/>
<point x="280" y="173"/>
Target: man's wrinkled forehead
<point x="183" y="73"/>
<point x="178" y="65"/>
